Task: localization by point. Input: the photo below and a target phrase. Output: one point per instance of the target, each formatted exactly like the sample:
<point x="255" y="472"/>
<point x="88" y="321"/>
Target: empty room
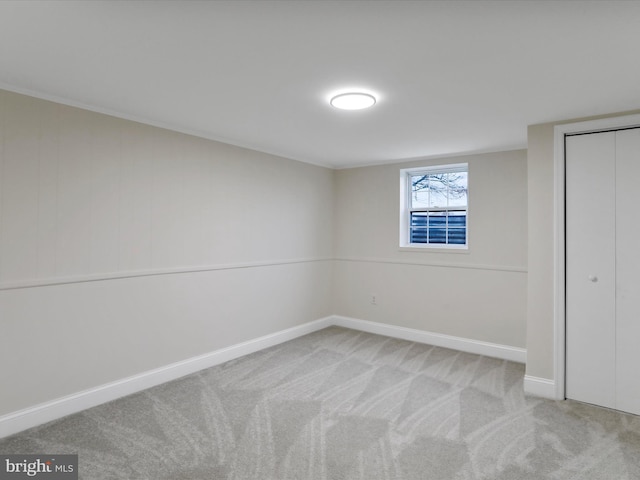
<point x="319" y="239"/>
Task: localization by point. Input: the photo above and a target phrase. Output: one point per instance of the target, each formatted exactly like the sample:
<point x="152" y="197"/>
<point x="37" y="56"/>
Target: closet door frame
<point x="559" y="301"/>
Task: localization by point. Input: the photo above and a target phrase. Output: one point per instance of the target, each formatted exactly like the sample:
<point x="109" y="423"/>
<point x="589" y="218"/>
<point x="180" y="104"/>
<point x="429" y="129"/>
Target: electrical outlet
<point x="374" y="299"/>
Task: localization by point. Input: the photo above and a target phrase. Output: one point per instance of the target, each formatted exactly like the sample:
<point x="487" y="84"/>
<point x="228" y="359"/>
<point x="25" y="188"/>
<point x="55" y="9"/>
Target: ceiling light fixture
<point x="353" y="101"/>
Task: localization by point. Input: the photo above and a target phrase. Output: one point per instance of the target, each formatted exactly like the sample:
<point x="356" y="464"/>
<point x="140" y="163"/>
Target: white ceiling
<point x="451" y="77"/>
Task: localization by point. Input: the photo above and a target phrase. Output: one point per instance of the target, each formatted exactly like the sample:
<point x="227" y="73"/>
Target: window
<point x="434" y="206"/>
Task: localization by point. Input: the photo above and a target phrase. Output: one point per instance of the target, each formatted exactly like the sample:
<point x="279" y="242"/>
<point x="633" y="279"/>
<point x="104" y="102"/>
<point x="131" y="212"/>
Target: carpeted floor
<point x="341" y="404"/>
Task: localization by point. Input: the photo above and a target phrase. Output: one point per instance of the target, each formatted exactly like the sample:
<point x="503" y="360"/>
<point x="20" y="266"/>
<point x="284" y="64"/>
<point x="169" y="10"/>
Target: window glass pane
<point x="437" y="235"/>
<point x="438" y="219"/>
<point x="457" y="236"/>
<point x="419" y="219"/>
<point x="440" y="227"/>
<point x="418" y="235"/>
<point x="438" y="190"/>
<point x="419" y="191"/>
<point x="457" y="219"/>
<point x="457" y="183"/>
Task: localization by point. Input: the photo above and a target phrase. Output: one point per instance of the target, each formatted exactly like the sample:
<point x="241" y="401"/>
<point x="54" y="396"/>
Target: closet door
<point x="590" y="268"/>
<point x="628" y="270"/>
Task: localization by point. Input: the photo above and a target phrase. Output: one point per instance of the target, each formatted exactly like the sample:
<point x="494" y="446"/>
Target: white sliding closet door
<point x="602" y="268"/>
<point x="590" y="268"/>
<point x="628" y="270"/>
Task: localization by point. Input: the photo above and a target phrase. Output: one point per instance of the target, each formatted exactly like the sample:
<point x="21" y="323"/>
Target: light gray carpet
<point x="341" y="404"/>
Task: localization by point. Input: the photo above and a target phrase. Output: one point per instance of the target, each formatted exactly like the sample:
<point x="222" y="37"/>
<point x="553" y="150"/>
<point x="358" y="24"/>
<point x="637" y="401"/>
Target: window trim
<point x="405" y="209"/>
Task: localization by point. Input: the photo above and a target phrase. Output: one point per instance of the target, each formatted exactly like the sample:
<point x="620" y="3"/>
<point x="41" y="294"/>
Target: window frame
<point x="406" y="210"/>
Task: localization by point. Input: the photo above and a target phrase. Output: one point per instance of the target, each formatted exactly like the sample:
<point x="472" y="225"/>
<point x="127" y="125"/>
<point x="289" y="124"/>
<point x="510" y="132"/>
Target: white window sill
<point x="434" y="248"/>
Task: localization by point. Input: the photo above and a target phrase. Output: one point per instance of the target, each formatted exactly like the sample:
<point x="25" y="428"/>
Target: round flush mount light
<point x="353" y="101"/>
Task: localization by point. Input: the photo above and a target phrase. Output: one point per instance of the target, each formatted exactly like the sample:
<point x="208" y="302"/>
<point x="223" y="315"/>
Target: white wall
<point x="90" y="205"/>
<point x="125" y="248"/>
<point x="480" y="294"/>
<point x="540" y="293"/>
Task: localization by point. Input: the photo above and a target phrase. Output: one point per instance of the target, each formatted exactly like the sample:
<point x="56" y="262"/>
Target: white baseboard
<point x="495" y="350"/>
<point x="30" y="417"/>
<point x="540" y="387"/>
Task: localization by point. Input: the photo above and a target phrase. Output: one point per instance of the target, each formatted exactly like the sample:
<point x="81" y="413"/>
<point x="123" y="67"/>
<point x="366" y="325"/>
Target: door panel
<point x="590" y="268"/>
<point x="628" y="270"/>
